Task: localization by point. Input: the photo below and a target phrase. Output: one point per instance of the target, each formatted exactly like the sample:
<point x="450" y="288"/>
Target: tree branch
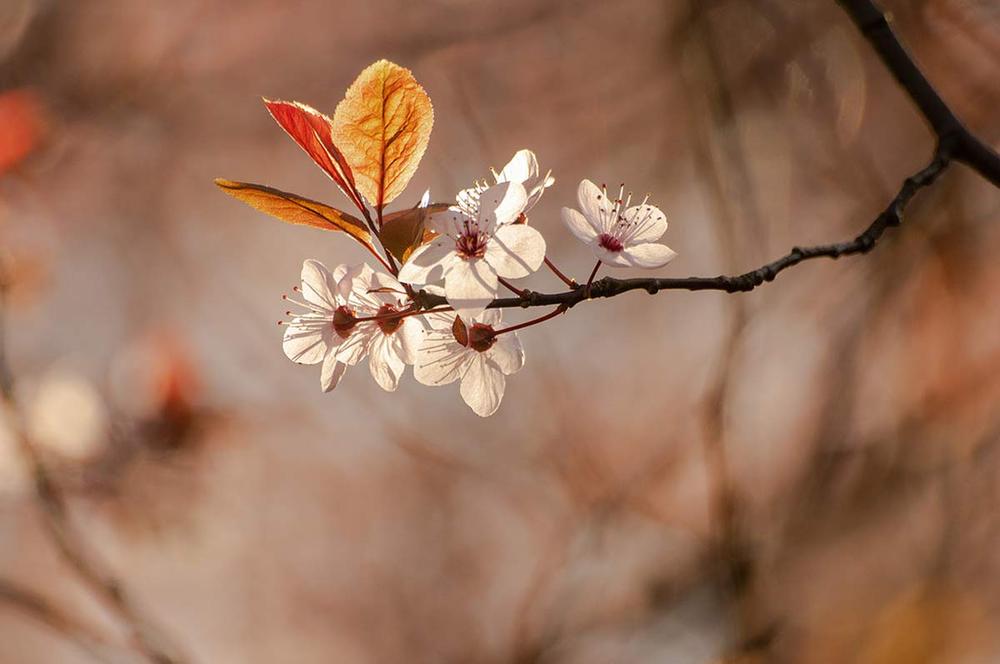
<point x="954" y="142"/>
<point x="144" y="637"/>
<point x="964" y="146"/>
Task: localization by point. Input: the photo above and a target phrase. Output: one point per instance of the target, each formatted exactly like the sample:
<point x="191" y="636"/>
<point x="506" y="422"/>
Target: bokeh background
<point x="809" y="473"/>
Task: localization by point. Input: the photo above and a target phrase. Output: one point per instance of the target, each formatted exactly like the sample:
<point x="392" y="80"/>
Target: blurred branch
<point x="954" y="142"/>
<point x="42" y="610"/>
<point x="964" y="146"/>
<point x="146" y="639"/>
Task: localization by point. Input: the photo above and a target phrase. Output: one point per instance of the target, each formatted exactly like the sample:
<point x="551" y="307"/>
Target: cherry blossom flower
<point x="620" y="235"/>
<point x="523" y="169"/>
<point x="477" y="242"/>
<point x="473" y="354"/>
<point x="391" y="342"/>
<point x="311" y="337"/>
<point x="339" y="326"/>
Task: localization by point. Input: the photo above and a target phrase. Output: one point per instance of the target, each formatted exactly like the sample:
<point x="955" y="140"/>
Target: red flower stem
<point x="402" y="314"/>
<point x="591" y="279"/>
<point x="562" y="308"/>
<point x="556" y="271"/>
<point x="512" y="288"/>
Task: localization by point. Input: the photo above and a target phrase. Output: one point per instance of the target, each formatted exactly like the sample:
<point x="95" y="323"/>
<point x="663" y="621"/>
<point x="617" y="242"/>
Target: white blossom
<point x="339" y="326"/>
<point x="310" y="337"/>
<point x="472" y="354"/>
<point x="620" y="235"/>
<point x="522" y="169"/>
<point x="477" y="242"/>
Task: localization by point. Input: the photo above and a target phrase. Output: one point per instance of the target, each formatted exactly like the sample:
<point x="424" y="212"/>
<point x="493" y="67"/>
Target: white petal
<point x="469" y="286"/>
<point x="612" y="258"/>
<point x="332" y="372"/>
<point x="425" y="199"/>
<point x="515" y="251"/>
<point x="306" y="343"/>
<point x="507" y="353"/>
<point x="317" y="285"/>
<point x="490" y="317"/>
<point x="385" y="364"/>
<point x="648" y="255"/>
<point x="648" y="224"/>
<point x="578" y="225"/>
<point x="362" y="279"/>
<point x="342" y="282"/>
<point x="522" y="167"/>
<point x="594" y="205"/>
<point x="535" y="192"/>
<point x="482" y="386"/>
<point x="501" y="204"/>
<point x="439" y="320"/>
<point x="428" y="262"/>
<point x="411" y="335"/>
<point x="446" y="222"/>
<point x="354" y="348"/>
<point x="441" y="359"/>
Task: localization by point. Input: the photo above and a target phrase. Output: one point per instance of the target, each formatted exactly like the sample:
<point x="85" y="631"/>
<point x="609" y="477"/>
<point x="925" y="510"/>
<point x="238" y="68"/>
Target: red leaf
<point x="21" y="126"/>
<point x="312" y="131"/>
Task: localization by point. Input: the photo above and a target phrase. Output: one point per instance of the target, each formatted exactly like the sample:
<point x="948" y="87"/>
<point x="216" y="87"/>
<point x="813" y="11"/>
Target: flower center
<point x="343" y="321"/>
<point x="480" y="337"/>
<point x="388" y="325"/>
<point x="610" y="242"/>
<point x="471" y="244"/>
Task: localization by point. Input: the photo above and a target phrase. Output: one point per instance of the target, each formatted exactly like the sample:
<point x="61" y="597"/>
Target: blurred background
<point x="806" y="473"/>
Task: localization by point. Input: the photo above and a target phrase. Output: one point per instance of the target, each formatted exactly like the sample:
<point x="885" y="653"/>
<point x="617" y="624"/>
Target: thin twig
<point x="42" y="610"/>
<point x="146" y="639"/>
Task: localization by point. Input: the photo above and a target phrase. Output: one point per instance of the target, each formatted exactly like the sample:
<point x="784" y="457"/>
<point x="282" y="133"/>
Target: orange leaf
<point x="312" y="131"/>
<point x="403" y="231"/>
<point x="296" y="209"/>
<point x="382" y="126"/>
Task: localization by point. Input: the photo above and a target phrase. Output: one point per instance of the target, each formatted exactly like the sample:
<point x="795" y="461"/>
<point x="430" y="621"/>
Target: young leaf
<point x="296" y="209"/>
<point x="312" y="131"/>
<point x="403" y="231"/>
<point x="382" y="126"/>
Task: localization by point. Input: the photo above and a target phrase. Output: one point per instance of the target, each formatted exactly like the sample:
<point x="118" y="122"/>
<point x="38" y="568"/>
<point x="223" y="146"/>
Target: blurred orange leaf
<point x="20" y="126"/>
<point x="382" y="126"/>
<point x="403" y="231"/>
<point x="296" y="209"/>
<point x="312" y="131"/>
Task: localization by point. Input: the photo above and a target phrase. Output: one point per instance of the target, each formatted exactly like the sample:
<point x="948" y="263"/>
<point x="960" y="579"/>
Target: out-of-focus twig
<point x="145" y="638"/>
<point x="45" y="612"/>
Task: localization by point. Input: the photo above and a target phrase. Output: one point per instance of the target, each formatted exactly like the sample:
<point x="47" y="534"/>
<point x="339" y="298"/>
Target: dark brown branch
<point x="611" y="287"/>
<point x="963" y="145"/>
<point x="954" y="142"/>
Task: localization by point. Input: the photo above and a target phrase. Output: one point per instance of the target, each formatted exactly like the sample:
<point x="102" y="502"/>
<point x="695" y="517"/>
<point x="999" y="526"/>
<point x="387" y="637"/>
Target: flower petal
<point x="648" y="255"/>
<point x="612" y="258"/>
<point x="579" y="225"/>
<point x="482" y="386"/>
<point x="648" y="223"/>
<point x="515" y="251"/>
<point x="332" y="372"/>
<point x="595" y="205"/>
<point x="446" y="222"/>
<point x="535" y="192"/>
<point x="354" y="348"/>
<point x="306" y="341"/>
<point x="384" y="363"/>
<point x="428" y="262"/>
<point x="501" y="204"/>
<point x="318" y="286"/>
<point x="507" y="353"/>
<point x="522" y="167"/>
<point x="411" y="335"/>
<point x="469" y="286"/>
<point x="441" y="360"/>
